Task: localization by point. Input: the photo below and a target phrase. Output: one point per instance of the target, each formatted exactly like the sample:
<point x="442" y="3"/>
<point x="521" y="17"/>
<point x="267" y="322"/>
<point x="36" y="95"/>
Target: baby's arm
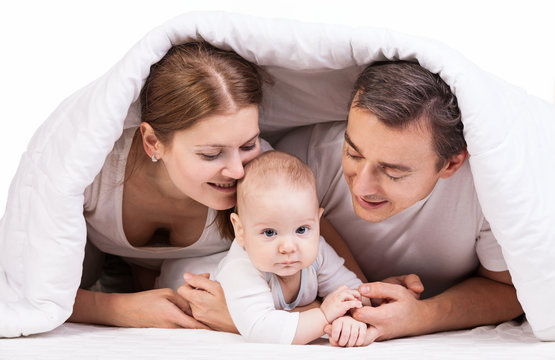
<point x="312" y="322"/>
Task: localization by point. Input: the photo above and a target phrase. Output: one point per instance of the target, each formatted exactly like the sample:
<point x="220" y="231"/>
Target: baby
<point x="278" y="261"/>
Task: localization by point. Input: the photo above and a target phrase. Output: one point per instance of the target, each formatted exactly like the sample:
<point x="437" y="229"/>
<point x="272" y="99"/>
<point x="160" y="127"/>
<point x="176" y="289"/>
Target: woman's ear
<point x="151" y="144"/>
<point x="238" y="228"/>
<point x="320" y="212"/>
<point x="454" y="164"/>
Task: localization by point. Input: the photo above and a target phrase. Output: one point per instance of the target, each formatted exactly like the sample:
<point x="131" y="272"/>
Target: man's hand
<point x="339" y="302"/>
<point x="399" y="314"/>
<point x="207" y="302"/>
<point x="412" y="282"/>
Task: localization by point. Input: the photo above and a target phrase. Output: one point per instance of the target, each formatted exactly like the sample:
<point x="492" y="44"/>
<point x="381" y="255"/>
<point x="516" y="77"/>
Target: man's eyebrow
<point x="398" y="167"/>
<point x="401" y="168"/>
<point x="350" y="142"/>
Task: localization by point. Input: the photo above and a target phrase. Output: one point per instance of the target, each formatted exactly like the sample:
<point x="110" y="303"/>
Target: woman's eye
<point x="302" y="230"/>
<point x="249" y="147"/>
<point x="209" y="156"/>
<point x="269" y="232"/>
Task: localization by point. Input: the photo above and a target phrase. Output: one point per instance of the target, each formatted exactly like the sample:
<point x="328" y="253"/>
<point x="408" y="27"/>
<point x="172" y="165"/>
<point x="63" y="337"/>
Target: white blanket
<point x="42" y="233"/>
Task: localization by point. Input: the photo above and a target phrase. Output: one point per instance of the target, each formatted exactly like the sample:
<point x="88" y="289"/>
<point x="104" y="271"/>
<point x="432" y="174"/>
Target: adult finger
<point x="413" y="283"/>
<point x="370" y="315"/>
<point x="382" y="290"/>
<point x="181" y="303"/>
<point x="202" y="283"/>
<point x="189" y="322"/>
<point x="372" y="334"/>
<point x="195" y="297"/>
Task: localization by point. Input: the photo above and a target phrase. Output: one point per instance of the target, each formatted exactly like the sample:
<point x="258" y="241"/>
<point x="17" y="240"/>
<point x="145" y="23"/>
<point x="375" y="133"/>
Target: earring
<point x="153" y="158"/>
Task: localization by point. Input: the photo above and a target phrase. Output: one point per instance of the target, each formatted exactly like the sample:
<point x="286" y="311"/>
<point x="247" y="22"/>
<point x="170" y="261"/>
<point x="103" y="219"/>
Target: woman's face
<point x="205" y="161"/>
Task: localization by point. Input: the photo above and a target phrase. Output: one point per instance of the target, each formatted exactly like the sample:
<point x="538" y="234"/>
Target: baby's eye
<point x="269" y="232"/>
<point x="302" y="230"/>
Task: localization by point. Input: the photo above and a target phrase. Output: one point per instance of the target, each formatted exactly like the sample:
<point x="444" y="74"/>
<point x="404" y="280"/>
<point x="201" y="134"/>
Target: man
<point x="404" y="202"/>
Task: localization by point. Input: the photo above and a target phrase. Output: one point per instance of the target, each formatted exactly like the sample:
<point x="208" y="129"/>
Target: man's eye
<point x="351" y="154"/>
<point x="269" y="232"/>
<point x="302" y="230"/>
<point x="394" y="178"/>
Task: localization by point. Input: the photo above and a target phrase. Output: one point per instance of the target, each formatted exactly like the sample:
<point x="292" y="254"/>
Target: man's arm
<point x="487" y="298"/>
<point x="338" y="244"/>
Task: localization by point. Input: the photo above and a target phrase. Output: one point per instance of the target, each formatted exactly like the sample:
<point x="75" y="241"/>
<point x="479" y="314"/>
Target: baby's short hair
<point x="275" y="167"/>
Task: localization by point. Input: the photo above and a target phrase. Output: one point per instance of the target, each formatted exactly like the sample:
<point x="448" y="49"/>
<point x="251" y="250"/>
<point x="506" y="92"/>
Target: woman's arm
<point x="161" y="308"/>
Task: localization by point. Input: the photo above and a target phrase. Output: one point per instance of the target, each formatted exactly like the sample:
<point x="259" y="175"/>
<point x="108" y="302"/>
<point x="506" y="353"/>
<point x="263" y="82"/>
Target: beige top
<point x="103" y="214"/>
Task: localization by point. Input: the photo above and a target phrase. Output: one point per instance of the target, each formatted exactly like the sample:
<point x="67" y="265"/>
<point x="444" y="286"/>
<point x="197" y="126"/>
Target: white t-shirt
<point x="254" y="298"/>
<point x="442" y="238"/>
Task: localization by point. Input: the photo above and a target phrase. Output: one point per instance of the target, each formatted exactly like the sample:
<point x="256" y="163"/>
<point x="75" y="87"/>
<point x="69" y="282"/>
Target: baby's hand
<point x="347" y="332"/>
<point x="339" y="302"/>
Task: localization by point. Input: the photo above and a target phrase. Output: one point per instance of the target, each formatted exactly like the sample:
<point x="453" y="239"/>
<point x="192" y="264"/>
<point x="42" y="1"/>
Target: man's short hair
<point x="402" y="94"/>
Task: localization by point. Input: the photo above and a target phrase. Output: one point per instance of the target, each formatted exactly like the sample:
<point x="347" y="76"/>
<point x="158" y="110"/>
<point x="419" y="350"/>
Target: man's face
<point x="387" y="169"/>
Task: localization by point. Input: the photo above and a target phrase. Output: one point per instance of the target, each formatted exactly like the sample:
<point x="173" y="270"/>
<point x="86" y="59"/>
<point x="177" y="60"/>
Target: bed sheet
<point x="513" y="340"/>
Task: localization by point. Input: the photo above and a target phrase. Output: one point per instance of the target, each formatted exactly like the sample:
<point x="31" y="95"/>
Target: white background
<point x="49" y="49"/>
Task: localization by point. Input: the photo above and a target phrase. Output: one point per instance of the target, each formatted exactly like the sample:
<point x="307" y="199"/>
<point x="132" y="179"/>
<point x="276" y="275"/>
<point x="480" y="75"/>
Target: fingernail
<point x="364" y="288"/>
<point x="187" y="276"/>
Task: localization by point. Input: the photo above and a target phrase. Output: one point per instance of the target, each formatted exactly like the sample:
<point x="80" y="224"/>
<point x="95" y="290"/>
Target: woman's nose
<point x="234" y="167"/>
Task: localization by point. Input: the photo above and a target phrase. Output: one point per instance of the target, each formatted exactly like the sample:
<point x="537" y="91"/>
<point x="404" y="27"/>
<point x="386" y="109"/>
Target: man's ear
<point x="238" y="228"/>
<point x="454" y="164"/>
<point x="151" y="144"/>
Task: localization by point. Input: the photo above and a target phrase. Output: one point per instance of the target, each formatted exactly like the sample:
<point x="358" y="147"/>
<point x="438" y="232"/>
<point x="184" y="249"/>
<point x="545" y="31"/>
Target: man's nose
<point x="366" y="181"/>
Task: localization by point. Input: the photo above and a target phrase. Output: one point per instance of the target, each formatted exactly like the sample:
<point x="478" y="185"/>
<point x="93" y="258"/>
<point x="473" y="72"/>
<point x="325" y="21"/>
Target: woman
<point x="160" y="188"/>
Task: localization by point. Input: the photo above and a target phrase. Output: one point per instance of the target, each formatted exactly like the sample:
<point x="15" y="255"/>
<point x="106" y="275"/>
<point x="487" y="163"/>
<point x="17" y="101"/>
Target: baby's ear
<point x="238" y="228"/>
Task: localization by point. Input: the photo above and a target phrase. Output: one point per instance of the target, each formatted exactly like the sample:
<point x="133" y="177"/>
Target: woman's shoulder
<point x="112" y="173"/>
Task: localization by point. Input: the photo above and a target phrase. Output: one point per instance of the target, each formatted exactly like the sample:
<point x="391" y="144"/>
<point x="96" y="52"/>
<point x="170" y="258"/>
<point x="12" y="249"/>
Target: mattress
<point x="513" y="340"/>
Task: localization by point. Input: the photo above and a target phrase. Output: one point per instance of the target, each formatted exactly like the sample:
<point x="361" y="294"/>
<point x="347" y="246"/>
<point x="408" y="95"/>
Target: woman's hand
<point x="160" y="308"/>
<point x="207" y="302"/>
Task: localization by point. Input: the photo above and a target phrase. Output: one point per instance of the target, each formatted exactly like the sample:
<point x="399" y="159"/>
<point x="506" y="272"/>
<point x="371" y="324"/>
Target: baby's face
<point x="281" y="229"/>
